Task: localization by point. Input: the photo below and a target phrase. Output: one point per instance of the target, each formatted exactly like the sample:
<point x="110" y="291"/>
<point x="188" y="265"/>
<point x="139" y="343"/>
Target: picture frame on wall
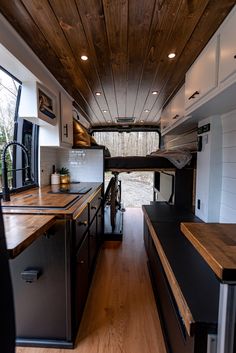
<point x="47" y="105"/>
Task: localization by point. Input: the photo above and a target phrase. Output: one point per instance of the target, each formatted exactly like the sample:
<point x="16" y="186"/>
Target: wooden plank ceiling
<point x="127" y="43"/>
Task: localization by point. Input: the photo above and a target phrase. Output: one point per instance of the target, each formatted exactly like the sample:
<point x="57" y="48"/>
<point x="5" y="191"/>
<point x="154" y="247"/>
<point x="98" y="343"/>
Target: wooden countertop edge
<point x="13" y="252"/>
<point x="178" y="295"/>
<point x="209" y="259"/>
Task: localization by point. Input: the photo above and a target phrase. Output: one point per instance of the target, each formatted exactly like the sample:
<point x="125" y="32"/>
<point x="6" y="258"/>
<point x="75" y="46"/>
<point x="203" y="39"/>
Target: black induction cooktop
<point x="69" y="189"/>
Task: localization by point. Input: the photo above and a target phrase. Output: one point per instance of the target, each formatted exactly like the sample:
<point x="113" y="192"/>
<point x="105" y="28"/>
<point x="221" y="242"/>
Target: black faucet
<point x="5" y="188"/>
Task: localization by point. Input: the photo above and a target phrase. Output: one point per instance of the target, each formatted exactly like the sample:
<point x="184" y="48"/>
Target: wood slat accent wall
<point x="127" y="43"/>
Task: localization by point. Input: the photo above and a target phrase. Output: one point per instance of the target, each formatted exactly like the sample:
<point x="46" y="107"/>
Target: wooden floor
<point x="120" y="315"/>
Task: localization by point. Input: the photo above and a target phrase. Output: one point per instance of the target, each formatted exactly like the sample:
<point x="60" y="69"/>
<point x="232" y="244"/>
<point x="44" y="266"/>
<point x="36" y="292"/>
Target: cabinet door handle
<point x="84" y="223"/>
<point x="30" y="276"/>
<point x="65" y="130"/>
<point x="100" y="198"/>
<point x="193" y="95"/>
<point x="176" y="116"/>
<point x="81" y="262"/>
<point x="93" y="207"/>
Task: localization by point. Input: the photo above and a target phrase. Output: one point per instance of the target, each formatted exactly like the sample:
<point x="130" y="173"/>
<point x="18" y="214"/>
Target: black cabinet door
<point x="100" y="227"/>
<point x="41" y="306"/>
<point x="92" y="244"/>
<point x="82" y="280"/>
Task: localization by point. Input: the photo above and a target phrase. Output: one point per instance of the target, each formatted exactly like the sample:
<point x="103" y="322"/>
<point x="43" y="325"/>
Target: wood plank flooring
<point x="120" y="315"/>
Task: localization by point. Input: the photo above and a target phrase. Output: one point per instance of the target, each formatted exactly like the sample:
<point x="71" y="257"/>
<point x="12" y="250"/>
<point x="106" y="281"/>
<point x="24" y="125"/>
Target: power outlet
<point x="198" y="204"/>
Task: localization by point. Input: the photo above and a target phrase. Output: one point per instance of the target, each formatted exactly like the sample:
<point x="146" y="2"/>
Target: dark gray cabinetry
<point x="93" y="244"/>
<point x="88" y="230"/>
<point x="42" y="304"/>
<point x="51" y="279"/>
<point x="100" y="226"/>
<point x="81" y="280"/>
<point x="197" y="282"/>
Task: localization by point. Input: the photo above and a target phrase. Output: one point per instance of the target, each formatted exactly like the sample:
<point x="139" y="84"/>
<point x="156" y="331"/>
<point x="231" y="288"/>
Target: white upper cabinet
<point x="202" y="76"/>
<point x="173" y="111"/>
<point x="38" y="104"/>
<point x="177" y="106"/>
<point x="228" y="48"/>
<point x="66" y="119"/>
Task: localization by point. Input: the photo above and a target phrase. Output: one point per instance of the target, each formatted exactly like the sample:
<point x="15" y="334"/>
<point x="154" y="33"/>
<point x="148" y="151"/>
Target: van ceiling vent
<point x="125" y="120"/>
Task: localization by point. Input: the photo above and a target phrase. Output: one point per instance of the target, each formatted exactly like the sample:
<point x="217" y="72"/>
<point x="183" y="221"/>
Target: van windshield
<point x="136" y="143"/>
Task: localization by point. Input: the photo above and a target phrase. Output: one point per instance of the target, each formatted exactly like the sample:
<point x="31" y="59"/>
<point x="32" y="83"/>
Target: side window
<point x="13" y="128"/>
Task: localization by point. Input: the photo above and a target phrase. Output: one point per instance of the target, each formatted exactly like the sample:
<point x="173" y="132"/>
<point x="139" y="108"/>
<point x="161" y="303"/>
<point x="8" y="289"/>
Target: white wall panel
<point x="228" y="199"/>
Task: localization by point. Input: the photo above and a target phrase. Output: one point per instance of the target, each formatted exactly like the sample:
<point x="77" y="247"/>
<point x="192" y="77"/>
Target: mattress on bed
<point x="137" y="162"/>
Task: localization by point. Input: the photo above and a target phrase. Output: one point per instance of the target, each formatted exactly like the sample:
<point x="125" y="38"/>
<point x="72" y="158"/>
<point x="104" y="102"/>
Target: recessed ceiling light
<point x="171" y="55"/>
<point x="146" y="110"/>
<point x="141" y="121"/>
<point x="104" y="111"/>
<point x="98" y="93"/>
<point x="109" y="121"/>
<point x="84" y="57"/>
<point x="154" y="92"/>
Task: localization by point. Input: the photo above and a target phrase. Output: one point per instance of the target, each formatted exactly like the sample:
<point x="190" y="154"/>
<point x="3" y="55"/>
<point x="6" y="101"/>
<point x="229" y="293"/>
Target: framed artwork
<point x="47" y="105"/>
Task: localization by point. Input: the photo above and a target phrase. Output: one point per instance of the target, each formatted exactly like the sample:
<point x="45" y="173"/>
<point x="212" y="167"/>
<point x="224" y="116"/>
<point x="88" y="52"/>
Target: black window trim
<point x="35" y="142"/>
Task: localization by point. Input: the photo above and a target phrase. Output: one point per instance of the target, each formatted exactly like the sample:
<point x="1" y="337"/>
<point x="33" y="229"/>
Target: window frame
<point x="18" y="135"/>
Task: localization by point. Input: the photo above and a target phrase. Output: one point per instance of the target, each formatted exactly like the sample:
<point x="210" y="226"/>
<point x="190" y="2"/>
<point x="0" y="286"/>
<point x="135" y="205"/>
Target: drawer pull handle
<point x="176" y="116"/>
<point x="94" y="207"/>
<point x="84" y="223"/>
<point x="30" y="276"/>
<point x="193" y="95"/>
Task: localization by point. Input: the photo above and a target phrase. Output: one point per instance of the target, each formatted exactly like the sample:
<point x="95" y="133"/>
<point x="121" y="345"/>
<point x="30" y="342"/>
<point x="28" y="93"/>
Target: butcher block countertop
<point x="32" y="212"/>
<point x="22" y="230"/>
<point x="216" y="243"/>
<point x="41" y="201"/>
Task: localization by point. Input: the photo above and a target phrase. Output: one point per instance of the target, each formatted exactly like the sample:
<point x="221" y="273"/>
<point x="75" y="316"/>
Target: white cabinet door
<point x="202" y="76"/>
<point x="228" y="48"/>
<point x="165" y="118"/>
<point x="177" y="106"/>
<point x="66" y="119"/>
<point x="173" y="111"/>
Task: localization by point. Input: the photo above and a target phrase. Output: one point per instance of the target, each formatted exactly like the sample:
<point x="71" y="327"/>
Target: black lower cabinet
<point x="196" y="281"/>
<point x="81" y="281"/>
<point x="93" y="245"/>
<point x="40" y="285"/>
<point x="51" y="280"/>
<point x="177" y="338"/>
<point x="100" y="226"/>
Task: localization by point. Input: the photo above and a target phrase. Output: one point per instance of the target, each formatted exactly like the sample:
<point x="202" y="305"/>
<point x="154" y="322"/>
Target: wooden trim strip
<point x="178" y="295"/>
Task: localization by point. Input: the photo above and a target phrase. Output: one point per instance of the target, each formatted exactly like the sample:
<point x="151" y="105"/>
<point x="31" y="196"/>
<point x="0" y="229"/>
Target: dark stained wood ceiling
<point x="127" y="43"/>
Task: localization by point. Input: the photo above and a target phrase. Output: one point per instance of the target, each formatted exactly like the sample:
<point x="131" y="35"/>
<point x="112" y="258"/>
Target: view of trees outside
<point x="136" y="187"/>
<point x="128" y="144"/>
<point x="8" y="96"/>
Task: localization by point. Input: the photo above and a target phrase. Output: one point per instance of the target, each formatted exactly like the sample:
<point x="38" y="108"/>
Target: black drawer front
<point x="95" y="205"/>
<point x="81" y="226"/>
